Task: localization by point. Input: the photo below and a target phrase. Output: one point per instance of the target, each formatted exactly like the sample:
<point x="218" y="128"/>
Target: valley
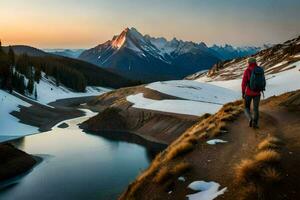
<point x="88" y="128"/>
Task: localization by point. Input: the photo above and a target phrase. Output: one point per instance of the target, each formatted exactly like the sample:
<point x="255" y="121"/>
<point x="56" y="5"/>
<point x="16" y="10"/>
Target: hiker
<point x="253" y="84"/>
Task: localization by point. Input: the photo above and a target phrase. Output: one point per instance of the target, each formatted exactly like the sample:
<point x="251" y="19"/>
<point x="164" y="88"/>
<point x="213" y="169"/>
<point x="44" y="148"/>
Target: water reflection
<point x="77" y="166"/>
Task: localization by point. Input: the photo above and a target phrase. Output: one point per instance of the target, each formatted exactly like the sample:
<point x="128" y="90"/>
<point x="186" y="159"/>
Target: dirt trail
<point x="289" y="130"/>
<point x="217" y="162"/>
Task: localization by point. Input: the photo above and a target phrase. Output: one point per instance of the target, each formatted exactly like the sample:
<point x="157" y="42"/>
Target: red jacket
<point x="246" y="78"/>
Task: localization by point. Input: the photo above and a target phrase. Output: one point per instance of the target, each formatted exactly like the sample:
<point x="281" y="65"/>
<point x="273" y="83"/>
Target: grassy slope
<point x="190" y="156"/>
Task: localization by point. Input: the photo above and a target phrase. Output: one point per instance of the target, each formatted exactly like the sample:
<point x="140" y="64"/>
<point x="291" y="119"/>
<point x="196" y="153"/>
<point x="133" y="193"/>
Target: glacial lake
<point x="77" y="165"/>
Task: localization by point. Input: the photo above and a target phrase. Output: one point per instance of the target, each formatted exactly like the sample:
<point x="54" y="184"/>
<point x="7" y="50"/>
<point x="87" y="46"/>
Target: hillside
<point x="279" y="58"/>
<point x="228" y="52"/>
<point x="23" y="49"/>
<point x="197" y="165"/>
<point x="94" y="75"/>
<point x="158" y="112"/>
<point x="49" y="63"/>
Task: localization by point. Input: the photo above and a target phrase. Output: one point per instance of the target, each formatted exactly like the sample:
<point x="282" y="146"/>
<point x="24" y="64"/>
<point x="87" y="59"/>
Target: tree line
<point x="21" y="72"/>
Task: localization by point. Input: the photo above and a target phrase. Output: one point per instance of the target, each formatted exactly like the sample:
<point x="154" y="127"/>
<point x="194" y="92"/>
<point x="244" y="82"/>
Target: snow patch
<point x="173" y="106"/>
<point x="215" y="141"/>
<point x="195" y="91"/>
<point x="208" y="190"/>
<point x="47" y="91"/>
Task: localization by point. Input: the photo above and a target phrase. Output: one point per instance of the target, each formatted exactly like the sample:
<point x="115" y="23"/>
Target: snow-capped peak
<point x="129" y="38"/>
<point x="160" y="47"/>
<point x="118" y="41"/>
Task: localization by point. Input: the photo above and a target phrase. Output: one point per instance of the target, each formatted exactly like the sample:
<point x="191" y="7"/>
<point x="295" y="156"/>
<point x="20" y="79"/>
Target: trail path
<point x="217" y="162"/>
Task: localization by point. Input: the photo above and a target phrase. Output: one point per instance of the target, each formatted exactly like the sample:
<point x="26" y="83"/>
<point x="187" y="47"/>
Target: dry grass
<point x="271" y="175"/>
<point x="167" y="164"/>
<point x="246" y="171"/>
<point x="173" y="171"/>
<point x="217" y="130"/>
<point x="228" y="117"/>
<point x="249" y="193"/>
<point x="193" y="139"/>
<point x="162" y="175"/>
<point x="180" y="149"/>
<point x="269" y="143"/>
<point x="258" y="175"/>
<point x="180" y="168"/>
<point x="268" y="156"/>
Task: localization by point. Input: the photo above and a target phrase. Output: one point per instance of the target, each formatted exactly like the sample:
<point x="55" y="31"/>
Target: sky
<point x="86" y="23"/>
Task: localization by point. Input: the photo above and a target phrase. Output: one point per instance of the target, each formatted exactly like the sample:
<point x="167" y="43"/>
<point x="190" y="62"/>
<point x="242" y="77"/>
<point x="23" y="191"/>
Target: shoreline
<point x="17" y="178"/>
<point x="131" y="137"/>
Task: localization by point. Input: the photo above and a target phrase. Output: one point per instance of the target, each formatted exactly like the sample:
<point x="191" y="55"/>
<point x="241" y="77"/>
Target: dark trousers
<point x="247" y="101"/>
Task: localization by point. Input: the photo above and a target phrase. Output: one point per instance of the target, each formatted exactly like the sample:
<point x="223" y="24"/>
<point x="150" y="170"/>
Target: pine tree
<point x="37" y="74"/>
<point x="21" y="85"/>
<point x="35" y="93"/>
<point x="30" y="86"/>
<point x="11" y="56"/>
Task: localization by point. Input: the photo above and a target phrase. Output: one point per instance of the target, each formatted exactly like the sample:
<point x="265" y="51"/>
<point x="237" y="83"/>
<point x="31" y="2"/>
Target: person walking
<point x="253" y="84"/>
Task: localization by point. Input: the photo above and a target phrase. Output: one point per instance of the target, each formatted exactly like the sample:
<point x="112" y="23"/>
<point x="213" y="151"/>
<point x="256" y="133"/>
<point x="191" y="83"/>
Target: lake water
<point x="77" y="165"/>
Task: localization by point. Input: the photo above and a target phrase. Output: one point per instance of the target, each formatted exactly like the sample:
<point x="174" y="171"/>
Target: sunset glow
<point x="82" y="24"/>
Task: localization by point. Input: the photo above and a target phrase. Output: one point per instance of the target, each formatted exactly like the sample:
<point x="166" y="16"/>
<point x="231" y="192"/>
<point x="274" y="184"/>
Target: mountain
<point x="228" y="52"/>
<point x="140" y="57"/>
<point x="63" y="68"/>
<point x="22" y="49"/>
<point x="70" y="53"/>
<point x="278" y="58"/>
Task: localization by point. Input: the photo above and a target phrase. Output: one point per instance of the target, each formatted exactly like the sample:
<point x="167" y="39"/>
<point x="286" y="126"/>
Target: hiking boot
<point x="250" y="123"/>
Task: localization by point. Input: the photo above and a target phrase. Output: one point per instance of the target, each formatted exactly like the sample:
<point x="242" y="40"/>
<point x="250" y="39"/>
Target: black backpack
<point x="257" y="79"/>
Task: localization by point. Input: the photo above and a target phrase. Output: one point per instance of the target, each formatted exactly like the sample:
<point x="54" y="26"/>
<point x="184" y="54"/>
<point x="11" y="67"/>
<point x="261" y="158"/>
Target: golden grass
<point x="162" y="175"/>
<point x="246" y="171"/>
<point x="173" y="171"/>
<point x="271" y="175"/>
<point x="266" y="145"/>
<point x="164" y="167"/>
<point x="211" y="126"/>
<point x="180" y="168"/>
<point x="193" y="139"/>
<point x="217" y="130"/>
<point x="269" y="143"/>
<point x="268" y="156"/>
<point x="180" y="149"/>
<point x="228" y="117"/>
<point x="249" y="193"/>
<point x="259" y="174"/>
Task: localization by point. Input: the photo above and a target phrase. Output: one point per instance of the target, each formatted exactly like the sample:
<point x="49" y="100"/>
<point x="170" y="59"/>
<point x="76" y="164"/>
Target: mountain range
<point x="146" y="58"/>
<point x="71" y="53"/>
<point x="275" y="59"/>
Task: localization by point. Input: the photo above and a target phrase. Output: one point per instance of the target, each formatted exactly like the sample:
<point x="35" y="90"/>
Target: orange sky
<point x="86" y="23"/>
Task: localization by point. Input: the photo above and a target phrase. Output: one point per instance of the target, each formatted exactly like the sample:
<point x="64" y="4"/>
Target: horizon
<point x="85" y="24"/>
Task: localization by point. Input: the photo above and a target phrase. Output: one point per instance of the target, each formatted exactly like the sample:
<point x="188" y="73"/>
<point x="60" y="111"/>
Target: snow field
<point x="10" y="127"/>
<point x="173" y="106"/>
<point x="198" y="98"/>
